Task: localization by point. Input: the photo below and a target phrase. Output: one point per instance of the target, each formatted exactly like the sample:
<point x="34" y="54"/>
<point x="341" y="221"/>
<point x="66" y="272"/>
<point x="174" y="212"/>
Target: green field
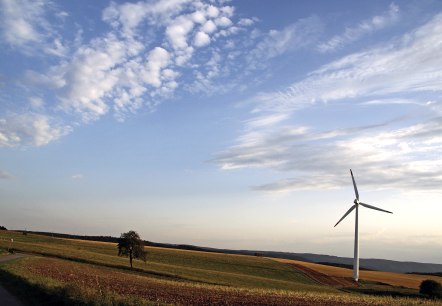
<point x="210" y="268"/>
<point x="84" y="272"/>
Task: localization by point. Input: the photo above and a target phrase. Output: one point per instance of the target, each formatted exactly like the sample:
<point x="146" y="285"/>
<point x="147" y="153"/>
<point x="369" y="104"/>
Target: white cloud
<point x="109" y="71"/>
<point x="129" y="16"/>
<point x="18" y="21"/>
<point x="401" y="156"/>
<point x="391" y="101"/>
<point x="209" y="27"/>
<point x="158" y="59"/>
<point x="228" y="10"/>
<point x="91" y="75"/>
<point x="169" y="74"/>
<point x="366" y="27"/>
<point x="246" y="22"/>
<point x="77" y="176"/>
<point x="201" y="39"/>
<point x="320" y="159"/>
<point x="117" y="71"/>
<point x="212" y="11"/>
<point x="223" y="21"/>
<point x="276" y="42"/>
<point x="178" y="30"/>
<point x="265" y="121"/>
<point x="30" y="129"/>
<point x="141" y="60"/>
<point x="24" y="27"/>
<point x="183" y="56"/>
<point x="199" y="17"/>
<point x="373" y="73"/>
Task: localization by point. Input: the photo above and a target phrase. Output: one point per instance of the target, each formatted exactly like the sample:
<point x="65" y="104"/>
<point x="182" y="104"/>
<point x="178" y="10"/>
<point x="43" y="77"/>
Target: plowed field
<point x="341" y="277"/>
<point x="161" y="291"/>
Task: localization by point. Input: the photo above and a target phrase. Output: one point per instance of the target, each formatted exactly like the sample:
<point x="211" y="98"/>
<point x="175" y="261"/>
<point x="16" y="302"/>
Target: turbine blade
<point x="354" y="185"/>
<point x="348" y="211"/>
<point x="375" y="208"/>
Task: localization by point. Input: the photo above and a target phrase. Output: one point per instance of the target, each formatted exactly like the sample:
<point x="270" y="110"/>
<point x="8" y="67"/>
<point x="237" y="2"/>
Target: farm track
<point x="11" y="257"/>
<point x="5" y="297"/>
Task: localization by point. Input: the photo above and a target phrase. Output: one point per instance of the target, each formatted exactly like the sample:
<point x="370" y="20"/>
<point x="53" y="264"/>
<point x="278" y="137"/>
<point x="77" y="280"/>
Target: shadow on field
<point x="161" y="275"/>
<point x="30" y="294"/>
<point x="385" y="290"/>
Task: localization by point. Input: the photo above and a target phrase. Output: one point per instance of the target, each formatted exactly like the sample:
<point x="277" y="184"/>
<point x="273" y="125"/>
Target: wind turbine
<point x="356" y="205"/>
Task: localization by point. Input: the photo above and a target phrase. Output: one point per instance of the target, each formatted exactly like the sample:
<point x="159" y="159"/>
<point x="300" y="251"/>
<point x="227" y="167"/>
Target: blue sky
<point x="225" y="123"/>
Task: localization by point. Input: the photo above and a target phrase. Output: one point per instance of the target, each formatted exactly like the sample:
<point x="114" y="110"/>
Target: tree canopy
<point x="131" y="245"/>
<point x="431" y="288"/>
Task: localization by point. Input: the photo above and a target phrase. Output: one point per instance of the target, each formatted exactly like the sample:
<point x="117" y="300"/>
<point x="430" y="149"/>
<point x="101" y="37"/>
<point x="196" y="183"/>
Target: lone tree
<point x="130" y="244"/>
<point x="431" y="288"/>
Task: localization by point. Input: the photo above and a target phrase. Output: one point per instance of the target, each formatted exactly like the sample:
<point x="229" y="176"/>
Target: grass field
<point x="199" y="267"/>
<point x="83" y="272"/>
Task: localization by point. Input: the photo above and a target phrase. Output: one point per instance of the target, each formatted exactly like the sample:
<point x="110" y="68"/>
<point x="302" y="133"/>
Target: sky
<point x="229" y="124"/>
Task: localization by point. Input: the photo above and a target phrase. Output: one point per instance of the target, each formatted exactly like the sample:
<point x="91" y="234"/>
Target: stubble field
<point x="344" y="276"/>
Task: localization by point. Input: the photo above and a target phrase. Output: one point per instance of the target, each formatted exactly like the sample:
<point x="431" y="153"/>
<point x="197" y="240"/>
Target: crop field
<point x="83" y="272"/>
<point x="343" y="275"/>
<point x="199" y="267"/>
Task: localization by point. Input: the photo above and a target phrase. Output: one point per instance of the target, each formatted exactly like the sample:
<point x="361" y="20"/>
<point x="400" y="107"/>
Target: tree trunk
<point x="130" y="258"/>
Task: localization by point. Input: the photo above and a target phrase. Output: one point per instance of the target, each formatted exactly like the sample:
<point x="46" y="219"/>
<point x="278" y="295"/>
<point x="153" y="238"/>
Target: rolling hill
<point x="365" y="263"/>
<point x="70" y="271"/>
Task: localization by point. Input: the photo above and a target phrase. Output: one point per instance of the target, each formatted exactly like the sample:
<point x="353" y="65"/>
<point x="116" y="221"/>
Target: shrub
<point x="3" y="228"/>
<point x="431" y="288"/>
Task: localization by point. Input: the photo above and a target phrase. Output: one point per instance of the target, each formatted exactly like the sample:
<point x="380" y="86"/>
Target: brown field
<point x="104" y="281"/>
<point x="337" y="276"/>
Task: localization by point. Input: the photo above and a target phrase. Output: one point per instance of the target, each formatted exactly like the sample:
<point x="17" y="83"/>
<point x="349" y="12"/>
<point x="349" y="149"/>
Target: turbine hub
<point x="356" y="201"/>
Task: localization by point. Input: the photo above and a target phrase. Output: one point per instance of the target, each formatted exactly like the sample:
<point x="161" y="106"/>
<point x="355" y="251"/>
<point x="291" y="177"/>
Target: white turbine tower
<point x="356" y="205"/>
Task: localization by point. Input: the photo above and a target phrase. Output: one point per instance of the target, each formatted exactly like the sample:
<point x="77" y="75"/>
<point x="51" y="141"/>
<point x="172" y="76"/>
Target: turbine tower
<point x="356" y="205"/>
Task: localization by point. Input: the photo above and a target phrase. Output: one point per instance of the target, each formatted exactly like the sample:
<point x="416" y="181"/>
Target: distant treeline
<point x="3" y="228"/>
<point x="433" y="274"/>
<point x="115" y="240"/>
<point x="80" y="237"/>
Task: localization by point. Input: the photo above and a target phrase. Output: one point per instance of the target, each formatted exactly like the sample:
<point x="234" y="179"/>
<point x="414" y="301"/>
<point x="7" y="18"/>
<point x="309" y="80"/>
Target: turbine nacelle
<point x="357" y="202"/>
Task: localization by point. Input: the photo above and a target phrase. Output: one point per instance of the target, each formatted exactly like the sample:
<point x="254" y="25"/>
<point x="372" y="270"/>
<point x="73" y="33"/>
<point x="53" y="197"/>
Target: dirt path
<point x="5" y="297"/>
<point x="11" y="257"/>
